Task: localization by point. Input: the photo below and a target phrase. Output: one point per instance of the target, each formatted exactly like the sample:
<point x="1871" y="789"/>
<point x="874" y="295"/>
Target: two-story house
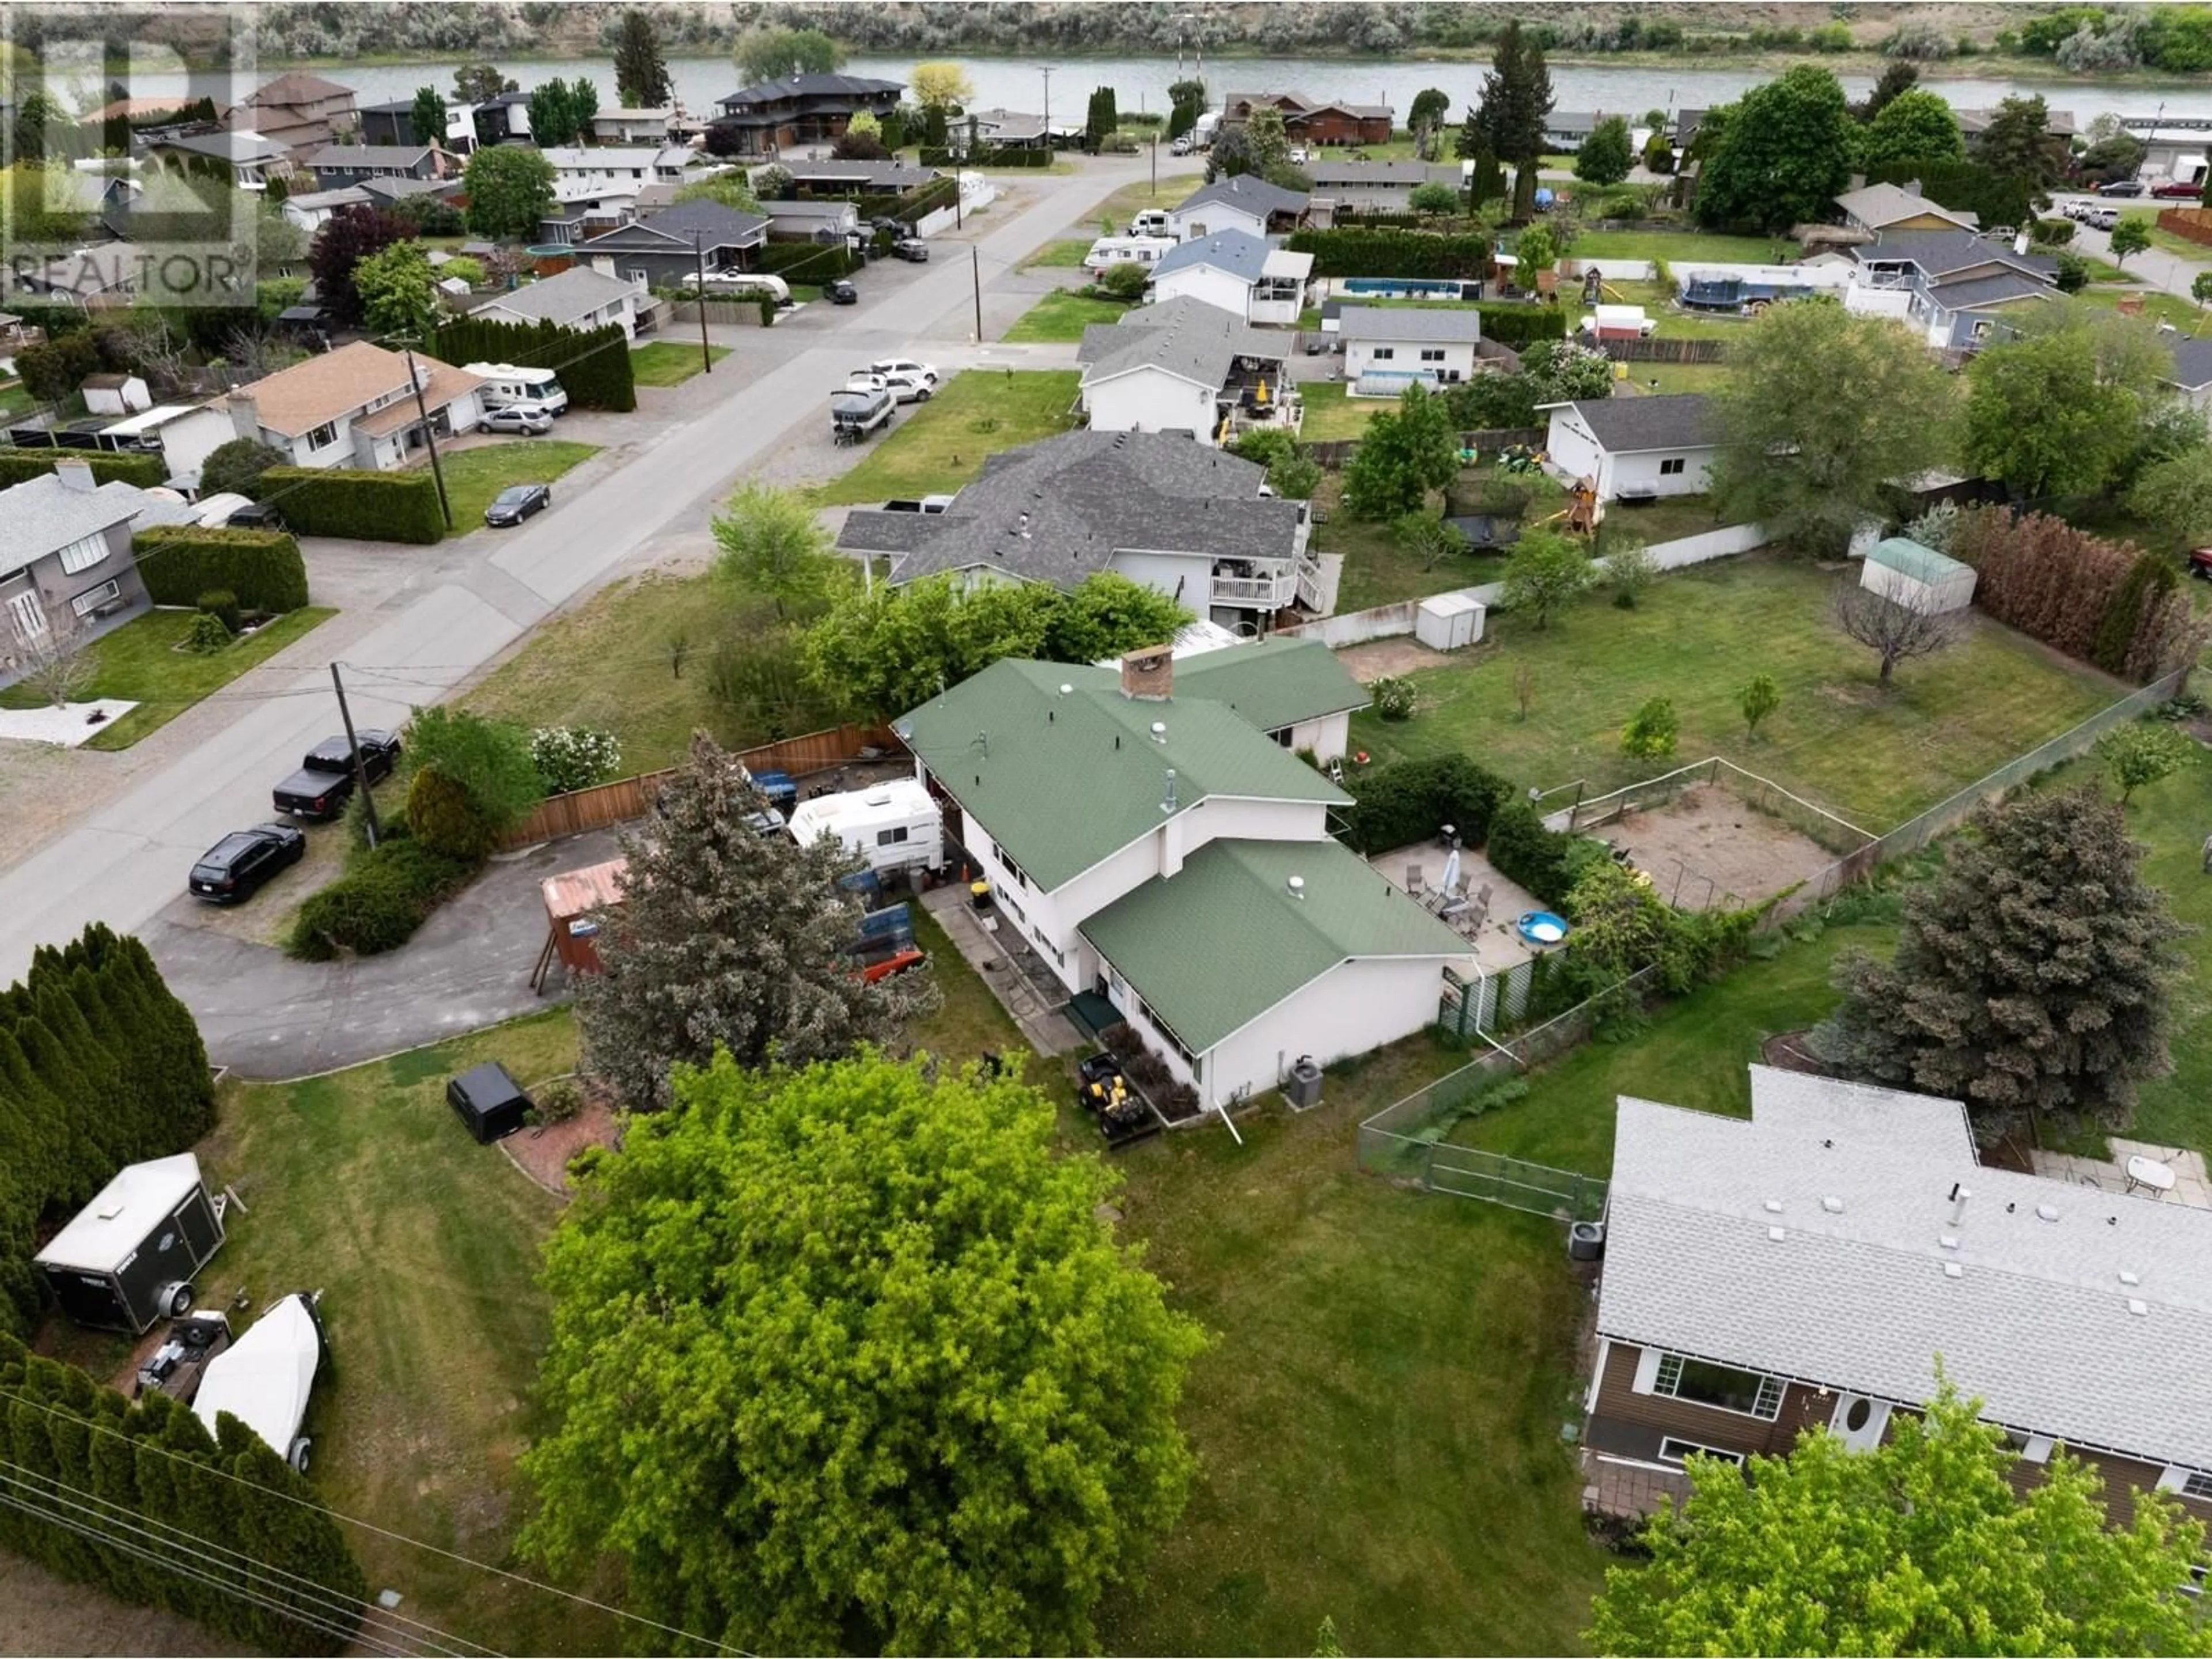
<point x="1187" y="520"/>
<point x="300" y="110"/>
<point x="249" y="159"/>
<point x="1151" y="843"/>
<point x="650" y="127"/>
<point x="1187" y="367"/>
<point x="579" y="298"/>
<point x="338" y="166"/>
<point x="1240" y="202"/>
<point x="1956" y="289"/>
<point x="1809" y="1266"/>
<point x="671" y="248"/>
<point x="615" y="167"/>
<point x="65" y="564"/>
<point x="770" y="117"/>
<point x="355" y="407"/>
<point x="1238" y="272"/>
<point x="393" y="124"/>
<point x="1313" y="120"/>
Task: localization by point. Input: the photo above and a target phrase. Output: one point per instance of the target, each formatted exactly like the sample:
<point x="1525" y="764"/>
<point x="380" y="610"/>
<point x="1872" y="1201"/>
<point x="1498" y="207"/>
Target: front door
<point x="1859" y="1421"/>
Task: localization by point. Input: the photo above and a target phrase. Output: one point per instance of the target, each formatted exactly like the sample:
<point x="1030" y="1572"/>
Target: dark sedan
<point x="2124" y="187"/>
<point x="842" y="292"/>
<point x="517" y="502"/>
<point x="234" y="868"/>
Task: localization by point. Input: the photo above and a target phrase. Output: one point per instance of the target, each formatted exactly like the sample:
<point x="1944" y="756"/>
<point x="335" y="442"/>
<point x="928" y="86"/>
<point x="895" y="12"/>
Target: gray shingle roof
<point x="341" y="156"/>
<point x="1058" y="511"/>
<point x="1876" y="205"/>
<point x="1183" y="336"/>
<point x="1941" y="251"/>
<point x="574" y="292"/>
<point x="1625" y="425"/>
<point x="2038" y="1322"/>
<point x="1237" y="252"/>
<point x="1382" y="173"/>
<point x="883" y="176"/>
<point x="1969" y="292"/>
<point x="235" y="148"/>
<point x="716" y="227"/>
<point x="42" y="514"/>
<point x="1254" y="196"/>
<point x="1423" y="323"/>
<point x="810" y="86"/>
<point x="2192" y="360"/>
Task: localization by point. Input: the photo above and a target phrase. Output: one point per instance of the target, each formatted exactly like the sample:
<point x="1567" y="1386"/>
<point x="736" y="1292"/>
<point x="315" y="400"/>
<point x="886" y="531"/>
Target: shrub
<point x="489" y="759"/>
<point x="1521" y="850"/>
<point x="385" y="895"/>
<point x="1125" y="282"/>
<point x="1411" y="800"/>
<point x="2072" y="275"/>
<point x="558" y="1101"/>
<point x="1392" y="253"/>
<point x="373" y="507"/>
<point x="222" y="603"/>
<point x="443" y="817"/>
<point x="1393" y="697"/>
<point x="1652" y="731"/>
<point x="236" y="468"/>
<point x="2096" y="600"/>
<point x="261" y="569"/>
<point x="1515" y="324"/>
<point x="21" y="466"/>
<point x="594" y="364"/>
<point x="207" y="635"/>
<point x="571" y="758"/>
<point x="2053" y="233"/>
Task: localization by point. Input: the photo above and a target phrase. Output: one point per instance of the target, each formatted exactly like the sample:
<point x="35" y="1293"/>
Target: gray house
<point x="668" y="249"/>
<point x="336" y="166"/>
<point x="65" y="560"/>
<point x="1376" y="187"/>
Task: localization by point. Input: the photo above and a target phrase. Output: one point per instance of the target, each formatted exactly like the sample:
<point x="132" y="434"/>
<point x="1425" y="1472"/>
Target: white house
<point x="634" y="127"/>
<point x="1239" y="272"/>
<point x="1175" y="366"/>
<point x="1387" y="347"/>
<point x="311" y="209"/>
<point x="1633" y="448"/>
<point x="610" y="167"/>
<point x="579" y="297"/>
<point x="1243" y="201"/>
<point x="355" y="407"/>
<point x="1152" y="845"/>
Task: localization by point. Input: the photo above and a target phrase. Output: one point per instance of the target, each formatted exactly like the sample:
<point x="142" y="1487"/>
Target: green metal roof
<point x="1063" y="780"/>
<point x="1275" y="682"/>
<point x="1910" y="558"/>
<point x="1216" y="945"/>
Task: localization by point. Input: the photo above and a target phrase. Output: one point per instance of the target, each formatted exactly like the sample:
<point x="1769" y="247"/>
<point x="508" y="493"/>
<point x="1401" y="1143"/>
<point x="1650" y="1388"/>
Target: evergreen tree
<point x="641" y="77"/>
<point x="1516" y="97"/>
<point x="426" y="121"/>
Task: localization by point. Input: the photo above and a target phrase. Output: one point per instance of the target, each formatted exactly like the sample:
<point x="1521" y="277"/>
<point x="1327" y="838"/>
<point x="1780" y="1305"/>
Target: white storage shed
<point x="1918" y="577"/>
<point x="1446" y="622"/>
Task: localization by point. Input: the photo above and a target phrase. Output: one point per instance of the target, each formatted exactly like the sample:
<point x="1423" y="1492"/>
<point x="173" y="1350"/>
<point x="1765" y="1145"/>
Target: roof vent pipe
<point x="1298" y="886"/>
<point x="1959" y="1196"/>
<point x="1159" y="731"/>
<point x="1168" y="801"/>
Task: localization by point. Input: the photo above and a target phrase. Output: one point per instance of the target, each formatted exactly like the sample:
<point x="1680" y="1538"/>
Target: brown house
<point x="299" y="111"/>
<point x="1314" y="120"/>
<point x="1807" y="1267"/>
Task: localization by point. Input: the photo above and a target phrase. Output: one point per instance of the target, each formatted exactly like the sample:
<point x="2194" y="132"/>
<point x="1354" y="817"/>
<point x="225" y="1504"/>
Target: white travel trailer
<point x="894" y="826"/>
<point x="504" y="384"/>
<point x="1108" y="251"/>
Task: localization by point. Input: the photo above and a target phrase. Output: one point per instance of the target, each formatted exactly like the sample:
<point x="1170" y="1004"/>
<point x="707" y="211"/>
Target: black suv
<point x="233" y="869"/>
<point x="325" y="781"/>
<point x="259" y="516"/>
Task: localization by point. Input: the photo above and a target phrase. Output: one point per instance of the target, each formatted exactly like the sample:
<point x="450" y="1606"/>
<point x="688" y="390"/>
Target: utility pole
<point x="1046" y="71"/>
<point x="360" y="765"/>
<point x="975" y="269"/>
<point x="699" y="258"/>
<point x="423" y="409"/>
<point x="1156" y="164"/>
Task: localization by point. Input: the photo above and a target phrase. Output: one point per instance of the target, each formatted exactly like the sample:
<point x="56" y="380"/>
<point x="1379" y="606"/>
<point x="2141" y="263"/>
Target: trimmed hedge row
<point x="997" y="158"/>
<point x="21" y="466"/>
<point x="1397" y="805"/>
<point x="373" y="507"/>
<point x="385" y="895"/>
<point x="1384" y="252"/>
<point x="594" y="364"/>
<point x="1512" y="325"/>
<point x="262" y="567"/>
<point x="811" y="262"/>
<point x="1546" y="862"/>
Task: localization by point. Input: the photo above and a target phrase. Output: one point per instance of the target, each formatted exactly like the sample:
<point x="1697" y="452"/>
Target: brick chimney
<point x="1149" y="673"/>
<point x="75" y="474"/>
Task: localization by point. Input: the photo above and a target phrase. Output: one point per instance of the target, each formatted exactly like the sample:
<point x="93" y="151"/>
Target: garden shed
<point x="1919" y="578"/>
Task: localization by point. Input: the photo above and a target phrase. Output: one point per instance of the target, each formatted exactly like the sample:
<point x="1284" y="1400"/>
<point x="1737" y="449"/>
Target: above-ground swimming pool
<point x="1541" y="927"/>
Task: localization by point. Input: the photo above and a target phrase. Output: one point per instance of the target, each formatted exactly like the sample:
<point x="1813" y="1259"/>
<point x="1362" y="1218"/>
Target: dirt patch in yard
<point x="1380" y="659"/>
<point x="50" y="1615"/>
<point x="1707" y="848"/>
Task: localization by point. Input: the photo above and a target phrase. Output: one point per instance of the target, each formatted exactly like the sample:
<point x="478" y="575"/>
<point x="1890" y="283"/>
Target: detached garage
<point x="1918" y="578"/>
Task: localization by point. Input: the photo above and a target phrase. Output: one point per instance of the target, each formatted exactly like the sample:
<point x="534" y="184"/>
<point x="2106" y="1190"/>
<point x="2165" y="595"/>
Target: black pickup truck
<point x="325" y="782"/>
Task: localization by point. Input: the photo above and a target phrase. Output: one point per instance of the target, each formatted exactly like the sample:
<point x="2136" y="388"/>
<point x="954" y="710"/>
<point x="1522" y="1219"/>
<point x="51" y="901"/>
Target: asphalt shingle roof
<point x="576" y="292"/>
<point x="42" y="515"/>
<point x="1215" y="945"/>
<point x="338" y="157"/>
<point x="1237" y="252"/>
<point x="1254" y="196"/>
<point x="1273" y="683"/>
<point x="2038" y="1322"/>
<point x="1057" y="511"/>
<point x="1876" y="205"/>
<point x="1995" y="289"/>
<point x="1626" y="425"/>
<point x="1182" y="336"/>
<point x="1382" y="173"/>
<point x="236" y="148"/>
<point x="1059" y="794"/>
<point x="1429" y="324"/>
<point x="1939" y="252"/>
<point x="2192" y="360"/>
<point x="810" y="86"/>
<point x="717" y="226"/>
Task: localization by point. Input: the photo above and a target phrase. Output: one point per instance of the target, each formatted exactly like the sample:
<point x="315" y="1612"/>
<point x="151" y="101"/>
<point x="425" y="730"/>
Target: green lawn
<point x="474" y="475"/>
<point x="1065" y="254"/>
<point x="1675" y="247"/>
<point x="1125" y="204"/>
<point x="1061" y="316"/>
<point x="2180" y="246"/>
<point x="1377" y="570"/>
<point x="2158" y="308"/>
<point x="1331" y="414"/>
<point x="2169" y="817"/>
<point x="1873" y="757"/>
<point x="936" y="447"/>
<point x="139" y="662"/>
<point x="16" y="399"/>
<point x="670" y="362"/>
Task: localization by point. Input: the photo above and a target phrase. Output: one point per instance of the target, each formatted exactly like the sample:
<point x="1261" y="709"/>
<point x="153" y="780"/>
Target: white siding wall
<point x="1210" y="219"/>
<point x="1328" y="737"/>
<point x="1574" y="451"/>
<point x="1276" y="313"/>
<point x="188" y="440"/>
<point x="1216" y="288"/>
<point x="1406" y="358"/>
<point x="1146" y="400"/>
<point x="1188" y="581"/>
<point x="1357" y="1006"/>
<point x="1641" y="472"/>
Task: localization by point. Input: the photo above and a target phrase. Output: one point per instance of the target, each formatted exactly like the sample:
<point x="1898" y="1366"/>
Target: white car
<point x="1298" y="156"/>
<point x="926" y="372"/>
<point x="907" y="388"/>
<point x="531" y="419"/>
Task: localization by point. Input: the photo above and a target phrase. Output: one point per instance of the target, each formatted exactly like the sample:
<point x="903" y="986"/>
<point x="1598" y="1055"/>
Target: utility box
<point x="1448" y="621"/>
<point x="1304" y="1088"/>
<point x="490" y="1102"/>
<point x="128" y="1258"/>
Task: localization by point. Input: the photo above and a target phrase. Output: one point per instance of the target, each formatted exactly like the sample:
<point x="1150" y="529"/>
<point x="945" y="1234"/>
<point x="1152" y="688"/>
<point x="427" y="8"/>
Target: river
<point x="1142" y="83"/>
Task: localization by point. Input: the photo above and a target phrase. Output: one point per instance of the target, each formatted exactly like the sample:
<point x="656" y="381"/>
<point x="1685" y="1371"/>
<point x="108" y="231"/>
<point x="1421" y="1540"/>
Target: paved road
<point x="2153" y="268"/>
<point x="125" y="860"/>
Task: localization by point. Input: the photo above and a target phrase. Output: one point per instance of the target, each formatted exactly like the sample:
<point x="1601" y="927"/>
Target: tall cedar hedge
<point x="1410" y="801"/>
<point x="811" y="262"/>
<point x="1382" y="252"/>
<point x="998" y="158"/>
<point x="2098" y="601"/>
<point x="20" y="465"/>
<point x="1513" y="324"/>
<point x="172" y="1510"/>
<point x="593" y="363"/>
<point x="99" y="1067"/>
<point x="373" y="507"/>
<point x="262" y="567"/>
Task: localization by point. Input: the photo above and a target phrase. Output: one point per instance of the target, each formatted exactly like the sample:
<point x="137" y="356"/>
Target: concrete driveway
<point x="269" y="1016"/>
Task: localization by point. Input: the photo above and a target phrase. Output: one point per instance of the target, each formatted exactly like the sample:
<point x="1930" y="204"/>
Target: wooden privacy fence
<point x="2194" y="223"/>
<point x="628" y="798"/>
<point x="725" y="314"/>
<point x="1664" y="351"/>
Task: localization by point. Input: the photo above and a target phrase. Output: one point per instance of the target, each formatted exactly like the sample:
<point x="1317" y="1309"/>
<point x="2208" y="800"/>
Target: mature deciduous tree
<point x="1782" y="154"/>
<point x="1605" y="155"/>
<point x="1915" y="126"/>
<point x="940" y="84"/>
<point x="772" y="544"/>
<point x="2175" y="495"/>
<point x="1921" y="1546"/>
<point x="552" y="115"/>
<point x="901" y="1389"/>
<point x="1897" y="77"/>
<point x="1817" y="411"/>
<point x="641" y="77"/>
<point x="479" y="83"/>
<point x="1895" y="630"/>
<point x="398" y="290"/>
<point x="2032" y="976"/>
<point x="2128" y="237"/>
<point x="1405" y="454"/>
<point x="1545" y="573"/>
<point x="2053" y="414"/>
<point x="779" y="54"/>
<point x="510" y="189"/>
<point x="731" y="190"/>
<point x="344" y="240"/>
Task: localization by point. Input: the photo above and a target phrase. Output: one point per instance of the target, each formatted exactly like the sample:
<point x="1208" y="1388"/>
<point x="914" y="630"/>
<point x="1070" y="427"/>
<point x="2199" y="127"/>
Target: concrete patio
<point x="1025" y="991"/>
<point x="1497" y="949"/>
<point x="2192" y="1186"/>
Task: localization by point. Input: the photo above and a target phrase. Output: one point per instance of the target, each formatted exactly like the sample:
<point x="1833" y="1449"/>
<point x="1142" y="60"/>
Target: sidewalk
<point x="1049" y="1031"/>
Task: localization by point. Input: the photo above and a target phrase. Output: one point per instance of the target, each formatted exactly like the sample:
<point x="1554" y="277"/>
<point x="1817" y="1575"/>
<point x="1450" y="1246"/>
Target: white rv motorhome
<point x="506" y="384"/>
<point x="894" y="826"/>
<point x="1111" y="250"/>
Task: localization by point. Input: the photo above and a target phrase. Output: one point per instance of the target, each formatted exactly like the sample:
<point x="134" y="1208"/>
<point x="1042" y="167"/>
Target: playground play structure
<point x="1583" y="512"/>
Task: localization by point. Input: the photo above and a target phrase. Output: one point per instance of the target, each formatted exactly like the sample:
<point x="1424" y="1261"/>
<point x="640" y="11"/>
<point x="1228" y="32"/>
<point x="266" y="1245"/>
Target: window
<point x="83" y="553"/>
<point x="28" y="616"/>
<point x="323" y="437"/>
<point x="1672" y="1450"/>
<point x="1384" y="354"/>
<point x="1432" y="354"/>
<point x="1670" y="467"/>
<point x="93" y="597"/>
<point x="1703" y="1383"/>
<point x="891" y="837"/>
<point x="2197" y="1484"/>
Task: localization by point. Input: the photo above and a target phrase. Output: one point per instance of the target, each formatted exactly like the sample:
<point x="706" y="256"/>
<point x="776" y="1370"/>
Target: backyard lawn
<point x="1063" y="255"/>
<point x="474" y="475"/>
<point x="1871" y="756"/>
<point x="938" y="446"/>
<point x="1332" y="415"/>
<point x="139" y="662"/>
<point x="1127" y="203"/>
<point x="1061" y="316"/>
<point x="2159" y="308"/>
<point x="669" y="363"/>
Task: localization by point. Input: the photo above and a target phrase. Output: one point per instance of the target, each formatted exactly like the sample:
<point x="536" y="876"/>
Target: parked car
<point x="325" y="780"/>
<point x="233" y="869"/>
<point x="2123" y="187"/>
<point x="533" y="420"/>
<point x="1182" y="146"/>
<point x="907" y="388"/>
<point x="517" y="502"/>
<point x="2101" y="218"/>
<point x="1297" y="155"/>
<point x="842" y="292"/>
<point x="256" y="515"/>
<point x="912" y="249"/>
<point x="927" y="372"/>
<point x="2175" y="190"/>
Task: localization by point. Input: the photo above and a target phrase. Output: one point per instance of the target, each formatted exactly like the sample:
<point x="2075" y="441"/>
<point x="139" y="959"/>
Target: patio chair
<point x="1414" y="879"/>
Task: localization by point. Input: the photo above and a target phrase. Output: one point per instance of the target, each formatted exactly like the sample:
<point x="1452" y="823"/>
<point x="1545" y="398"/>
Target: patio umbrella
<point x="1451" y="870"/>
